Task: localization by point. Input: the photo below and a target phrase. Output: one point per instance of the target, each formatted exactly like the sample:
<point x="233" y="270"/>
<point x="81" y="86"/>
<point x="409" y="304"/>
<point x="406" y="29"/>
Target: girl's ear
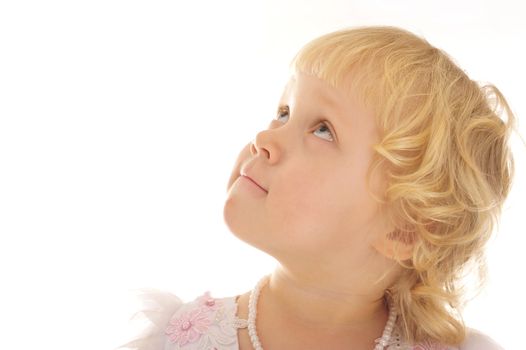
<point x="396" y="244"/>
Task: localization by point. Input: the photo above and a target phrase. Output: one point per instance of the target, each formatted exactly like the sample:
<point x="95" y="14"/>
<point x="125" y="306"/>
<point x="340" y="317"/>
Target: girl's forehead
<point x="305" y="86"/>
<point x="289" y="85"/>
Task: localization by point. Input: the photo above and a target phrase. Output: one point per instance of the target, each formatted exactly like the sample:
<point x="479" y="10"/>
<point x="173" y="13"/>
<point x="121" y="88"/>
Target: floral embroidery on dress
<point x="188" y="327"/>
<point x="209" y="303"/>
<point x="205" y="323"/>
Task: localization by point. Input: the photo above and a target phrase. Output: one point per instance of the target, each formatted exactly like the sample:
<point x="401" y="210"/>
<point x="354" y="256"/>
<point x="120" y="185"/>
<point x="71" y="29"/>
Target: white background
<point x="120" y="122"/>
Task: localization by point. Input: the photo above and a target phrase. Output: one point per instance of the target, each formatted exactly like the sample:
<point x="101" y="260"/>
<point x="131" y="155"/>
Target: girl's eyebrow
<point x="328" y="101"/>
<point x="330" y="106"/>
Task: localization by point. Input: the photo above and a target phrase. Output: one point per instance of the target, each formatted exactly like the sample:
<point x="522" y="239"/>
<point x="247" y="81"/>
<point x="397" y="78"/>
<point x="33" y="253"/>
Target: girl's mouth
<point x="254" y="182"/>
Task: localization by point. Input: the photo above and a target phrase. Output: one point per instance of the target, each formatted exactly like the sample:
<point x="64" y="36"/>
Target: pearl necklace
<point x="251" y="323"/>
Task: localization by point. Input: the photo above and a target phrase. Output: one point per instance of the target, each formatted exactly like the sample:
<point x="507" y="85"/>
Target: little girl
<point x="376" y="187"/>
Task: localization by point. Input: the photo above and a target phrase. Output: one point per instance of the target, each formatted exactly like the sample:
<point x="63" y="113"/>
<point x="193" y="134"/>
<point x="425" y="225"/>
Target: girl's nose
<point x="266" y="144"/>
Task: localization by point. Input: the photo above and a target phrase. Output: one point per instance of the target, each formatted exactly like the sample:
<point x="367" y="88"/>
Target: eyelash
<point x="286" y="110"/>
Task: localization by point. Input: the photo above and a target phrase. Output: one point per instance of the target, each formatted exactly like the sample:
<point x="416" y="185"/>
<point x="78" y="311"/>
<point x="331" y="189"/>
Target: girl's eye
<point x="282" y="111"/>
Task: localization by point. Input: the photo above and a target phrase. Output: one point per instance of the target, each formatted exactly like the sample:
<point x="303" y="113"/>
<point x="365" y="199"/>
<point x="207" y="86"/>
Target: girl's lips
<point x="247" y="177"/>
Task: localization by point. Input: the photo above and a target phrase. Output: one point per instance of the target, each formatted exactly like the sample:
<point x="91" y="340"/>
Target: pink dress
<point x="209" y="323"/>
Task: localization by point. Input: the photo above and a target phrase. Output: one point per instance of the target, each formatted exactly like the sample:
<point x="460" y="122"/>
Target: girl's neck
<point x="311" y="305"/>
<point x="282" y="325"/>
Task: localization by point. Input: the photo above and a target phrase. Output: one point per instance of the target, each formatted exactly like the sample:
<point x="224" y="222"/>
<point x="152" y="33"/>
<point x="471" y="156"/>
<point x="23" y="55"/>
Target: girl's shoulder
<point x="477" y="340"/>
<point x="203" y="323"/>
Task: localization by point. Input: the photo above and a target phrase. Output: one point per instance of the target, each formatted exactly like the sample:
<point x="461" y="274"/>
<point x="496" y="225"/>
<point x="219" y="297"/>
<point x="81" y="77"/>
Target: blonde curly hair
<point x="444" y="152"/>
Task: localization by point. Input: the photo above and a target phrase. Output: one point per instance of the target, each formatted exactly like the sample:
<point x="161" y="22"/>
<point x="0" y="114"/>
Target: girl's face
<point x="312" y="162"/>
